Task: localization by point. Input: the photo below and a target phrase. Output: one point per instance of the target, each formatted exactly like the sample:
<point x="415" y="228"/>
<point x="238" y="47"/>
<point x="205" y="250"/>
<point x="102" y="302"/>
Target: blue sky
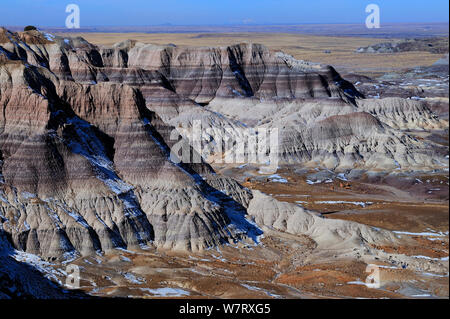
<point x="217" y="12"/>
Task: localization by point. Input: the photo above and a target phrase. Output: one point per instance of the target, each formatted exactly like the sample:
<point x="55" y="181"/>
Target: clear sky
<point x="218" y="12"/>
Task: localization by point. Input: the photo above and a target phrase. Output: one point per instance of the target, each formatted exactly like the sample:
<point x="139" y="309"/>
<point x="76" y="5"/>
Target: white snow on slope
<point x="167" y="292"/>
<point x="362" y="204"/>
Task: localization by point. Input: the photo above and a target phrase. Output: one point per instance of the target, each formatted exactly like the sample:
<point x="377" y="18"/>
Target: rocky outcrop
<point x="403" y="113"/>
<point x="437" y="45"/>
<point x="327" y="233"/>
<point x="336" y="237"/>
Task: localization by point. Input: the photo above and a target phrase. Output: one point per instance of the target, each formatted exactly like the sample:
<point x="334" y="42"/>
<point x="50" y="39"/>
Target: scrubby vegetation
<point x="29" y="28"/>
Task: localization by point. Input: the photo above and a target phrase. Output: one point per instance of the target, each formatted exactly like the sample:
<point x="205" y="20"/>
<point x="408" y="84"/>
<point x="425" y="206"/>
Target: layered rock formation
<point x="85" y="138"/>
<point x="86" y="167"/>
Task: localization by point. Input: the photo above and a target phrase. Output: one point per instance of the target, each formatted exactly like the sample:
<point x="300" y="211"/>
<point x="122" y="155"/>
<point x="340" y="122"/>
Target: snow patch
<point x="49" y="37"/>
<point x="167" y="292"/>
<point x="362" y="204"/>
<point x="277" y="178"/>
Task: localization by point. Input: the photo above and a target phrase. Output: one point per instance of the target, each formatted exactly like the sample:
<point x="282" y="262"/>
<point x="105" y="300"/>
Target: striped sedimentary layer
<point x="86" y="168"/>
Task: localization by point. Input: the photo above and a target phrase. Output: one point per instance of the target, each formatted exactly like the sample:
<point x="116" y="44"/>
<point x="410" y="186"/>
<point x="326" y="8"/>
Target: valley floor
<point x="288" y="266"/>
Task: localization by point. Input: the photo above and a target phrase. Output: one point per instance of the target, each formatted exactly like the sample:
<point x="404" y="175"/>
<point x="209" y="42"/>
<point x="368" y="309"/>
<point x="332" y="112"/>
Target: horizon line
<point x="168" y="25"/>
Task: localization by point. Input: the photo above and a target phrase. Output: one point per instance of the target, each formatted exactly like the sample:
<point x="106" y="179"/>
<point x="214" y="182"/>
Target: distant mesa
<point x="437" y="45"/>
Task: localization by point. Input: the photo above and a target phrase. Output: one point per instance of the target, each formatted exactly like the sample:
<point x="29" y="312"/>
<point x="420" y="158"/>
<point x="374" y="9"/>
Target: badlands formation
<point x="86" y="170"/>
